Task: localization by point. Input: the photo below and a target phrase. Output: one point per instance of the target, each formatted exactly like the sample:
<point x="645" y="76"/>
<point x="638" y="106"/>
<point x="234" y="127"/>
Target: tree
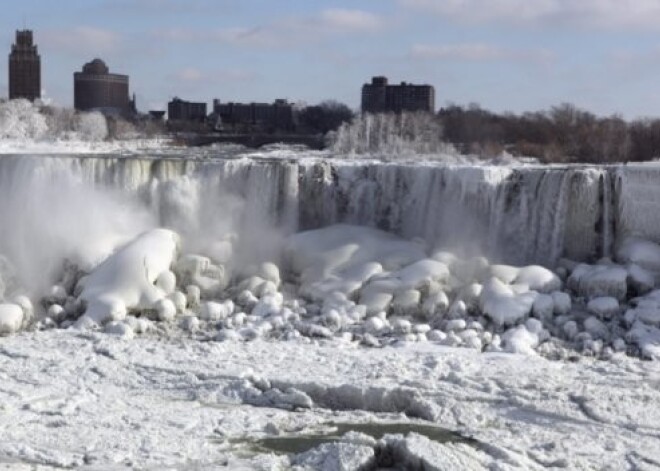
<point x="324" y="117"/>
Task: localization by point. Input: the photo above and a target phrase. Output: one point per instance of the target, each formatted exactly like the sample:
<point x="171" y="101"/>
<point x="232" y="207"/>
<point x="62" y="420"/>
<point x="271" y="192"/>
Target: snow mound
<point x="641" y="252"/>
<point x="505" y="304"/>
<point x="593" y="281"/>
<point x="125" y="281"/>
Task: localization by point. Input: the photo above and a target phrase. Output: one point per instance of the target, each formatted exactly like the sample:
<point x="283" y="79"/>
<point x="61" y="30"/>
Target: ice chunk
<point x="562" y="303"/>
<point x="505" y="273"/>
<point x="604" y="307"/>
<point x="647" y="339"/>
<point x="640" y="281"/>
<point x="11" y="318"/>
<point x="375" y="301"/>
<point x="166" y="310"/>
<point x="538" y="279"/>
<point x="520" y="340"/>
<point x="406" y="302"/>
<point x="596" y="328"/>
<point x="214" y="311"/>
<point x="543" y="306"/>
<point x="126" y="279"/>
<point x="503" y="304"/>
<point x="641" y="252"/>
<point x="592" y="281"/>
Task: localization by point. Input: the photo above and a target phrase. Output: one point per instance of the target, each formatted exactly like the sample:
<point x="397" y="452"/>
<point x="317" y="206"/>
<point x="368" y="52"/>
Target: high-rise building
<point x="95" y="88"/>
<point x="378" y="97"/>
<point x="24" y="68"/>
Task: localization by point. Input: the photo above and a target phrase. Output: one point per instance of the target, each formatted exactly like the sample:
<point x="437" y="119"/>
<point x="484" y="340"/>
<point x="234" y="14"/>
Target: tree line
<point x="562" y="134"/>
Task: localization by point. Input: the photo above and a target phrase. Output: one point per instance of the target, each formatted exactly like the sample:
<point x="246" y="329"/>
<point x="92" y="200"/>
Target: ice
<point x="520" y="340"/>
<point x="592" y="281"/>
<point x="339" y="456"/>
<point x="538" y="279"/>
<point x="11" y="318"/>
<point x="504" y="304"/>
<point x="604" y="307"/>
<point x="644" y="253"/>
<point x="125" y="281"/>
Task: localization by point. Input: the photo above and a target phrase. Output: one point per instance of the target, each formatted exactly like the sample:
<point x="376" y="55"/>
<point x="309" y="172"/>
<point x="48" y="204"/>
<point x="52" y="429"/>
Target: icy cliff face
<point x="517" y="215"/>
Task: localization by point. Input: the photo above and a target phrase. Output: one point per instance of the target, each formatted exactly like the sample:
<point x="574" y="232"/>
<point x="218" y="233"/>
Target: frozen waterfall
<point x="518" y="215"/>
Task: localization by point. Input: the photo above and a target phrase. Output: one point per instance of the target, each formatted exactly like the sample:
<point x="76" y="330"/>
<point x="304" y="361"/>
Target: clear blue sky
<point x="507" y="55"/>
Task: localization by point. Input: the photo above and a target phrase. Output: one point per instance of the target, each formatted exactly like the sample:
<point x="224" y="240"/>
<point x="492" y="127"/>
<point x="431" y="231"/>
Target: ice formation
<point x="370" y="274"/>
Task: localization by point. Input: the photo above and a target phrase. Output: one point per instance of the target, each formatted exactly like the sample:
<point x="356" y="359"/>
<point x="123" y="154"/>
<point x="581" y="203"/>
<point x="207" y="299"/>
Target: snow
<point x="641" y="252"/>
<point x="258" y="330"/>
<point x="174" y="403"/>
<point x="125" y="281"/>
<point x="11" y="318"/>
<point x="504" y="304"/>
<point x="592" y="281"/>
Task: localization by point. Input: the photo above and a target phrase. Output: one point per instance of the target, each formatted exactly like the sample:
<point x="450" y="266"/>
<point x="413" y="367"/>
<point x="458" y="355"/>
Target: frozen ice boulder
<point x="593" y="281"/>
<point x="11" y="318"/>
<point x="126" y="280"/>
<point x="543" y="306"/>
<point x="406" y="302"/>
<point x="375" y="301"/>
<point x="520" y="340"/>
<point x="505" y="273"/>
<point x="343" y="257"/>
<point x="604" y="307"/>
<point x="641" y="252"/>
<point x="538" y="279"/>
<point x="504" y="304"/>
<point x="647" y="338"/>
<point x="199" y="271"/>
<point x="419" y="275"/>
<point x="562" y="303"/>
<point x="596" y="328"/>
<point x="640" y="280"/>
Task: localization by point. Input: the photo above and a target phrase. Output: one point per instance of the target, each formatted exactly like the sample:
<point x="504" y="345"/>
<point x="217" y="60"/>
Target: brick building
<point x="379" y="97"/>
<point x="181" y="110"/>
<point x="95" y="88"/>
<point x="24" y="68"/>
<point x="248" y="117"/>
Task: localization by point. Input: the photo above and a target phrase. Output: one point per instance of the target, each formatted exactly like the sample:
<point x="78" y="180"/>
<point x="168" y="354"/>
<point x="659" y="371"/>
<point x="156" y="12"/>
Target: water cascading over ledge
<point x="518" y="215"/>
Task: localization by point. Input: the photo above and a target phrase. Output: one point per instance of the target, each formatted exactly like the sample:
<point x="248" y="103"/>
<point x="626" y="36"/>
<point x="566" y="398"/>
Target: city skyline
<point x="506" y="55"/>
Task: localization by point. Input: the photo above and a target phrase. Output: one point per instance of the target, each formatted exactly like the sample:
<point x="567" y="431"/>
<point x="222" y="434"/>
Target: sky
<point x="505" y="55"/>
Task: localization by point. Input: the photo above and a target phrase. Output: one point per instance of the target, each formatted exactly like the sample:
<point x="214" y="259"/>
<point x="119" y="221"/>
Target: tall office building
<point x="24" y="68"/>
<point x="379" y="96"/>
<point x="95" y="88"/>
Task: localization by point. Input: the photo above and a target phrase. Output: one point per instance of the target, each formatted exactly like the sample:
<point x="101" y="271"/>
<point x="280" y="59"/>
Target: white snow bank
<point x="126" y="280"/>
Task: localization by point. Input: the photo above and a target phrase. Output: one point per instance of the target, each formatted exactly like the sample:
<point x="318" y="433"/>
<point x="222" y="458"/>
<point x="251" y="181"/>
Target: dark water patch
<point x="294" y="444"/>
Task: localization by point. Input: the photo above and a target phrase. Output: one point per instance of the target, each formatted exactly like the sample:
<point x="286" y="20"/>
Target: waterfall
<point x="81" y="207"/>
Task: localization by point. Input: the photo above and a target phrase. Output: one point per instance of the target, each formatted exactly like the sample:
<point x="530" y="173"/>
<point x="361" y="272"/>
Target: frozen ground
<point x="94" y="400"/>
